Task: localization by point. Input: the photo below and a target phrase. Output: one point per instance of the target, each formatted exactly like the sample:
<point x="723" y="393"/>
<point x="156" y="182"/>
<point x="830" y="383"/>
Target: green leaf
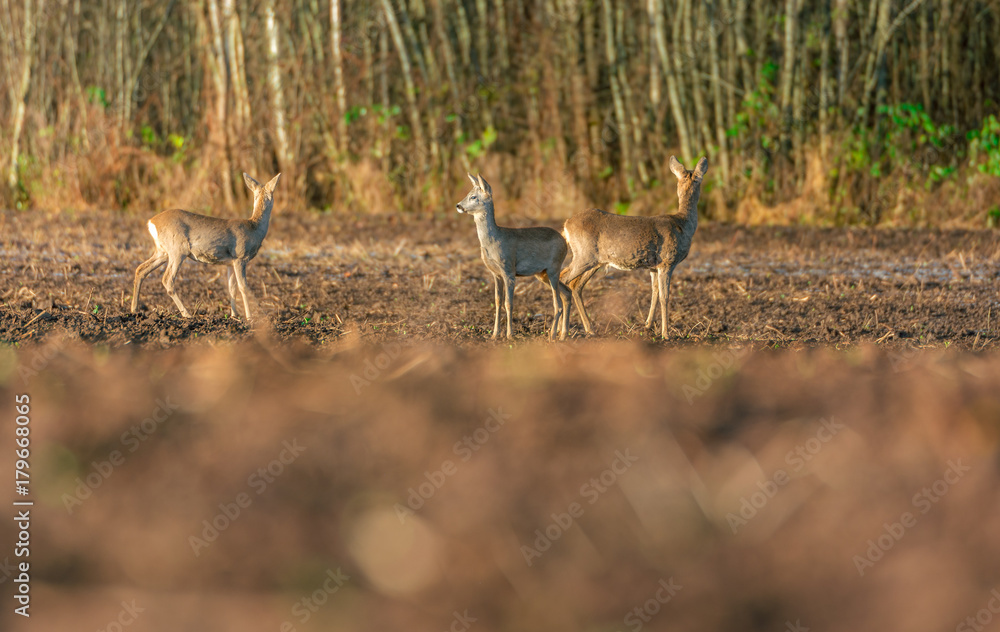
<point x="489" y="136"/>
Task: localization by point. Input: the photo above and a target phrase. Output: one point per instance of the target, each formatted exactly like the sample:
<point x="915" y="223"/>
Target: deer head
<point x="688" y="182"/>
<point x="479" y="199"/>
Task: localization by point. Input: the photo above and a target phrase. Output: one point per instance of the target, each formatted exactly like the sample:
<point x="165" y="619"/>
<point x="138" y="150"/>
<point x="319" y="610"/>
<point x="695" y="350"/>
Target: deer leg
<point x="240" y="272"/>
<point x="664" y="300"/>
<point x="577" y="288"/>
<point x="562" y="307"/>
<point x="571" y="278"/>
<point x="145" y="269"/>
<point x="552" y="280"/>
<point x="654" y="282"/>
<point x="173" y="265"/>
<point x="566" y="294"/>
<point x="508" y="286"/>
<point x="496" y="306"/>
<point x="231" y="286"/>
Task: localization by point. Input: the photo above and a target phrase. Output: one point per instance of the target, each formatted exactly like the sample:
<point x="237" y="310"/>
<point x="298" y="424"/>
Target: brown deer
<point x="179" y="234"/>
<point x="659" y="244"/>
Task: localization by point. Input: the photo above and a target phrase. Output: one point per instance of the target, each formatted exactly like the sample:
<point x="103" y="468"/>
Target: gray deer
<point x="179" y="234"/>
<point x="512" y="252"/>
<point x="659" y="244"/>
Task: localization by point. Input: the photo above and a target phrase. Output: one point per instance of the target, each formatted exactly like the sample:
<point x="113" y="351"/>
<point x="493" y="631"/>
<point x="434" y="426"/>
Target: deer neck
<point x="260" y="221"/>
<point x="687" y="208"/>
<point x="486" y="225"/>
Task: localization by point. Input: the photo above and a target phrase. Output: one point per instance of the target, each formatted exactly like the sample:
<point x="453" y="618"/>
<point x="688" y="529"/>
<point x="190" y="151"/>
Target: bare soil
<point x="320" y="278"/>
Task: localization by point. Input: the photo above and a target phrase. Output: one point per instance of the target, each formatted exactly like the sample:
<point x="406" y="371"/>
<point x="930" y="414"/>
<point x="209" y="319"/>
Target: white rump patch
<point x="152" y="231"/>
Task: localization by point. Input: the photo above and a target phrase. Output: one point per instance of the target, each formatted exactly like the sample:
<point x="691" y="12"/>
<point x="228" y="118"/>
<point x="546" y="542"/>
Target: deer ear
<point x="252" y="184"/>
<point x="702" y="168"/>
<point x="677" y="167"/>
<point x="485" y="186"/>
<point x="473" y="180"/>
<point x="270" y="186"/>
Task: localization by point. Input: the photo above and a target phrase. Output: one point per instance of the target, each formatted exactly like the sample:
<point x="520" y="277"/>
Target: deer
<point x="180" y="234"/>
<point x="659" y="244"/>
<point x="508" y="253"/>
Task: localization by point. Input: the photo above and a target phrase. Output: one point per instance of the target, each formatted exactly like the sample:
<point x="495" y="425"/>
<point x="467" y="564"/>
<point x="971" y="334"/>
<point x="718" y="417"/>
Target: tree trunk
<point x="132" y="80"/>
<point x="71" y="53"/>
<point x="218" y="131"/>
<point x="411" y="90"/>
<point x="824" y="82"/>
<point x="655" y="10"/>
<point x="121" y="31"/>
<point x="840" y="31"/>
<point x="338" y="76"/>
<point x="697" y="92"/>
<point x="502" y="53"/>
<point x="423" y="42"/>
<point x="742" y="50"/>
<point x="237" y="68"/>
<point x="944" y="28"/>
<point x="411" y="39"/>
<point x="622" y="132"/>
<point x="654" y="65"/>
<point x="583" y="158"/>
<point x="276" y="87"/>
<point x="464" y="34"/>
<point x="720" y="121"/>
<point x="21" y="94"/>
<point x="449" y="61"/>
<point x="482" y="39"/>
<point x="630" y="109"/>
<point x="925" y="85"/>
<point x="876" y="57"/>
<point x="789" y="56"/>
<point x="591" y="55"/>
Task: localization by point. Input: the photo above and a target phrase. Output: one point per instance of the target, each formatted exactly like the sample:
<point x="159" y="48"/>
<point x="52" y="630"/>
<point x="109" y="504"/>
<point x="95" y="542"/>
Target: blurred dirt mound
<point x="557" y="487"/>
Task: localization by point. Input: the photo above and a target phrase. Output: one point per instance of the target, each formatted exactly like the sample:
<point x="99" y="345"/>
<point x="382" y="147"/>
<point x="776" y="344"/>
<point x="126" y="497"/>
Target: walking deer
<point x="512" y="252"/>
<point x="179" y="234"/>
<point x="659" y="244"/>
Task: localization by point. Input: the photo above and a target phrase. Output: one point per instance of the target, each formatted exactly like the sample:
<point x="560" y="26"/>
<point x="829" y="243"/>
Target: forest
<point x="826" y="112"/>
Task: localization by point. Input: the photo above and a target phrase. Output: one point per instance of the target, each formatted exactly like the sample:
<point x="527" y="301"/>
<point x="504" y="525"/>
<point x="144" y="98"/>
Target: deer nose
<point x="459" y="207"/>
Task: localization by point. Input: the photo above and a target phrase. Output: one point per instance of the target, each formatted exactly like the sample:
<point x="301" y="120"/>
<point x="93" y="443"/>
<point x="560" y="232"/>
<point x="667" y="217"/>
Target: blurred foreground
<point x="599" y="486"/>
